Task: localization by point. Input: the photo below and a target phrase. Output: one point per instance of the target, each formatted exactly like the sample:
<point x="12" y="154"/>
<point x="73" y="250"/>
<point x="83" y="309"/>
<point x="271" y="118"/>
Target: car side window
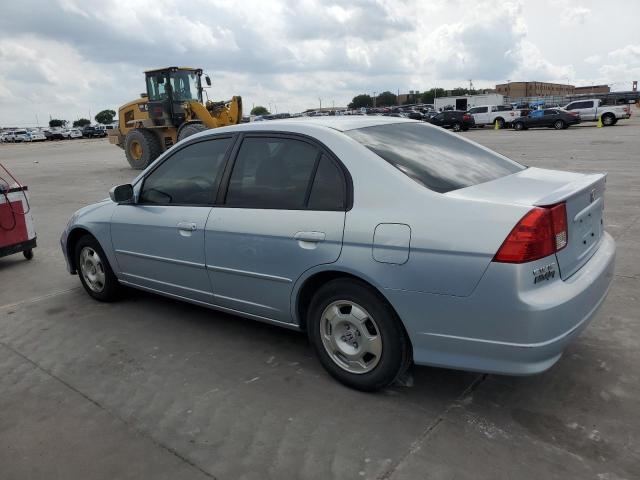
<point x="483" y="109"/>
<point x="272" y="173"/>
<point x="536" y="114"/>
<point x="188" y="177"/>
<point x="328" y="191"/>
<point x="550" y="112"/>
<point x="473" y="110"/>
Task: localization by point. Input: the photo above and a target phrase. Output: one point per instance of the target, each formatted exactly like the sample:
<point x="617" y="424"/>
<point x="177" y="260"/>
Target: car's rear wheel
<point x="94" y="270"/>
<point x="608" y="119"/>
<point x="500" y="122"/>
<point x="456" y="127"/>
<point x="518" y="126"/>
<point x="558" y="125"/>
<point x="357" y="335"/>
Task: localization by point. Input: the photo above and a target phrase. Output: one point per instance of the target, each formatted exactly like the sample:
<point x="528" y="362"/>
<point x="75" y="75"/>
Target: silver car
<point x="389" y="241"/>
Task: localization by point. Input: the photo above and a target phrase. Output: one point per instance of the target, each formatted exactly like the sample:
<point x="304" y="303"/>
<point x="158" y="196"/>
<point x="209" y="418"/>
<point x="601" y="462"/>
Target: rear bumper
<point x="509" y="325"/>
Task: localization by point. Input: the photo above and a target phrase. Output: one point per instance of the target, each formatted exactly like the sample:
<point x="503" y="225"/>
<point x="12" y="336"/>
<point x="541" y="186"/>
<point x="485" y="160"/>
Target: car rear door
<point x="482" y="115"/>
<point x="282" y="213"/>
<point x="159" y="240"/>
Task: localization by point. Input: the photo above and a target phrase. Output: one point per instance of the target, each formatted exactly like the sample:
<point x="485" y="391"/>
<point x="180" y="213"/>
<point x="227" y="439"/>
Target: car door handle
<point x="187" y="226"/>
<point x="310" y="236"/>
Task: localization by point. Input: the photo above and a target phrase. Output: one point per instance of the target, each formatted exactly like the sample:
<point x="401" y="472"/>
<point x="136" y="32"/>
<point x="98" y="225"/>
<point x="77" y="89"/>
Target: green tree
<point x="55" y="122"/>
<point x="105" y="117"/>
<point x="259" y="110"/>
<point x="430" y="95"/>
<point x="81" y="122"/>
<point x="360" y="101"/>
<point x="386" y="99"/>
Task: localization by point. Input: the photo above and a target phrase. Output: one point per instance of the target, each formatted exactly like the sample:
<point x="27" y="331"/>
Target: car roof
<point x="341" y="123"/>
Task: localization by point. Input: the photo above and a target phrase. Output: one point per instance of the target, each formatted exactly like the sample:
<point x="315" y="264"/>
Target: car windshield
<point x="437" y="159"/>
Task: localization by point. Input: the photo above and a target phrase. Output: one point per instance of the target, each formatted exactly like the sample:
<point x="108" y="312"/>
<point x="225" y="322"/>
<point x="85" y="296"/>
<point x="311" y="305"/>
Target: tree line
<point x="105" y="117"/>
<point x="388" y="99"/>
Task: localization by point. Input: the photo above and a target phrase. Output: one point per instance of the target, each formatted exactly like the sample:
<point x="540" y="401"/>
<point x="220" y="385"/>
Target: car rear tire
<point x="456" y="127"/>
<point x="190" y="129"/>
<point x="500" y="122"/>
<point x="518" y="126"/>
<point x="558" y="125"/>
<point x="608" y="120"/>
<point x="141" y="148"/>
<point x="357" y="336"/>
<point x="94" y="270"/>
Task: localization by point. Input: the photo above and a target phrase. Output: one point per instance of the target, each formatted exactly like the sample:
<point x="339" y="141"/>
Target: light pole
<point x="320" y="100"/>
<point x="374" y="99"/>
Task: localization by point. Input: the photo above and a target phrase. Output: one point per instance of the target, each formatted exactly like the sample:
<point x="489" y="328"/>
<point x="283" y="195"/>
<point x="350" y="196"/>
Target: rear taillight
<point x="540" y="233"/>
<point x="466" y="116"/>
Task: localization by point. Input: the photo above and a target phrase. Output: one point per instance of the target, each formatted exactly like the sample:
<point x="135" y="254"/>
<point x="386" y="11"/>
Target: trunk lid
<point x="583" y="195"/>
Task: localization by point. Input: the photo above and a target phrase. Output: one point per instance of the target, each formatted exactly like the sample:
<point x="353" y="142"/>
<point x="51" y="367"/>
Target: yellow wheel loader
<point x="170" y="110"/>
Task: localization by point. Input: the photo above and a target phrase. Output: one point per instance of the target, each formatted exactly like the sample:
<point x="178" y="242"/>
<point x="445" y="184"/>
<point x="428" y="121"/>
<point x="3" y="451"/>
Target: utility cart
<point x="17" y="233"/>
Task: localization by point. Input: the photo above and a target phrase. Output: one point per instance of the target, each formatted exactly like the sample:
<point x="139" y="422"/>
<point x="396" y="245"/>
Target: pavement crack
<point x="102" y="407"/>
<point x="418" y="442"/>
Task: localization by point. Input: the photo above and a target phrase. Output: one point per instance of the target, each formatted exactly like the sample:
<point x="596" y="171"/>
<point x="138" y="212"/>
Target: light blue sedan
<point x="389" y="241"/>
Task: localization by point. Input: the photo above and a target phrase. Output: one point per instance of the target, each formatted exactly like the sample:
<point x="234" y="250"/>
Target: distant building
<point x="592" y="89"/>
<point x="464" y="102"/>
<point x="533" y="89"/>
<point x="545" y="89"/>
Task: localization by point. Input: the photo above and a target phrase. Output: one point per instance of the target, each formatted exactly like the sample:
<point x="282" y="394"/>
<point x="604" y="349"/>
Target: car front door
<point x="536" y="118"/>
<point x="283" y="213"/>
<point x="159" y="240"/>
<point x="482" y="115"/>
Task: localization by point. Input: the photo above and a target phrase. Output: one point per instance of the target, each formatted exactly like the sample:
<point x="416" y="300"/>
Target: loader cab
<point x="167" y="91"/>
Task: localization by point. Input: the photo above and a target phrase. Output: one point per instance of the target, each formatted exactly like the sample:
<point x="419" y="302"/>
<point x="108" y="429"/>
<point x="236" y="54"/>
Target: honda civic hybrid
<point x="388" y="241"/>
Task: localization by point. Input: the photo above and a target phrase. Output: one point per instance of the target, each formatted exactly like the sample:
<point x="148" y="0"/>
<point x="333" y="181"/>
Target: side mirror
<point x="122" y="193"/>
<point x="208" y="80"/>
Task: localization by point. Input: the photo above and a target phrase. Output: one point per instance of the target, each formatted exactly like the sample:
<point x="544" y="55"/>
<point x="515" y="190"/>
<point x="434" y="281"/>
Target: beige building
<point x="593" y="89"/>
<point x="533" y="89"/>
<point x="542" y="89"/>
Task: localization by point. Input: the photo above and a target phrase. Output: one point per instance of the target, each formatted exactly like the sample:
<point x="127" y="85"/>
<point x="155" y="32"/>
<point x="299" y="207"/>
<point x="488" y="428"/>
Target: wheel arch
<point x="306" y="287"/>
<point x="72" y="239"/>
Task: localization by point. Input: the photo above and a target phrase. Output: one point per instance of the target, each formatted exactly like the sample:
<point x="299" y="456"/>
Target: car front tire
<point x="94" y="270"/>
<point x="357" y="336"/>
<point x="519" y="126"/>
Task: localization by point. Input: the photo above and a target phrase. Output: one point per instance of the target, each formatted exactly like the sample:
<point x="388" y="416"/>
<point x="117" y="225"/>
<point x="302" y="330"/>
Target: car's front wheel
<point x="357" y="335"/>
<point x="518" y="126"/>
<point x="94" y="270"/>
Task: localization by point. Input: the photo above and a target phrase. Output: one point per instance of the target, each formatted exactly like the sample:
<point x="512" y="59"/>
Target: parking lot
<point x="153" y="388"/>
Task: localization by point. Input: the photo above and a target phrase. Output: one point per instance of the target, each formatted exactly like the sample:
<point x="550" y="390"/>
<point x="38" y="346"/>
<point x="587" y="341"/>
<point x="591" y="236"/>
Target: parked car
<point x="386" y="239"/>
<point x="490" y="114"/>
<point x="454" y="119"/>
<point x="56" y="133"/>
<point x="21" y="136"/>
<point x="35" y="136"/>
<point x="592" y="110"/>
<point x="8" y="136"/>
<point x="90" y="132"/>
<point x="549" y="117"/>
<point x="74" y="133"/>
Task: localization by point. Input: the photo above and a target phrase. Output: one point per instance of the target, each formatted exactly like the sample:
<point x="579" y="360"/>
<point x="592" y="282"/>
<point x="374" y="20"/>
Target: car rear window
<point x="440" y="161"/>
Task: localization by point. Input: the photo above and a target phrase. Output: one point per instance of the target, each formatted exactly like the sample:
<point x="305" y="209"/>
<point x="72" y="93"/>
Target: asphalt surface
<point x="153" y="388"/>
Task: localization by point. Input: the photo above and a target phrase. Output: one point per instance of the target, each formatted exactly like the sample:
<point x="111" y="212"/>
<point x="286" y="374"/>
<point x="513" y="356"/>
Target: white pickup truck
<point x="591" y="110"/>
<point x="490" y="114"/>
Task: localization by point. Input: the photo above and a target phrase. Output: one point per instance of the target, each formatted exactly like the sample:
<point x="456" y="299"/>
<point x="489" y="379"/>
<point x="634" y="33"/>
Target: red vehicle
<point x="16" y="224"/>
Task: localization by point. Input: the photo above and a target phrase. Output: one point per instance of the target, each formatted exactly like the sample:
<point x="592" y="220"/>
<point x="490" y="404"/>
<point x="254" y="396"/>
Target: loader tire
<point x="141" y="148"/>
<point x="190" y="129"/>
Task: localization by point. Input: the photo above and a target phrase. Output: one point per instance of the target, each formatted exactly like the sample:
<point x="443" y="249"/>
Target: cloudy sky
<point x="66" y="58"/>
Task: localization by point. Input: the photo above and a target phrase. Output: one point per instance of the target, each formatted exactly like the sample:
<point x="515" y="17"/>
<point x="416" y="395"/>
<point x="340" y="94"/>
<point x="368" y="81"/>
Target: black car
<point x="548" y="117"/>
<point x="90" y="131"/>
<point x="455" y="119"/>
